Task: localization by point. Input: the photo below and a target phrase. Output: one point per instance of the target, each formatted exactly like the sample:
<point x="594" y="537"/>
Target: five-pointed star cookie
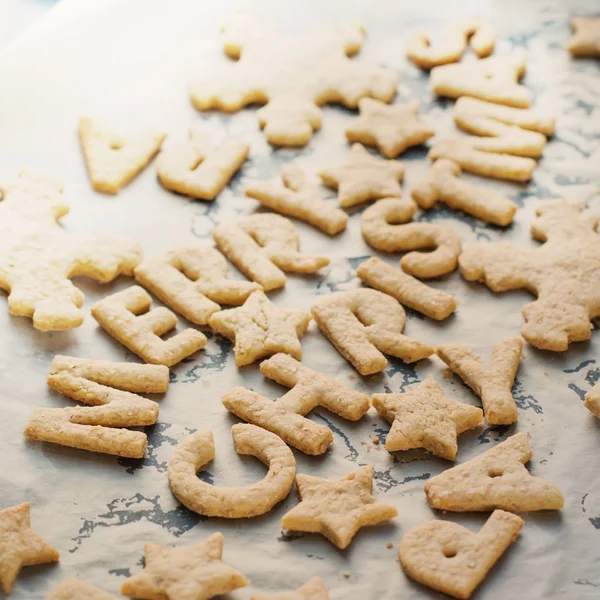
<point x="259" y="329"/>
<point x="337" y="509"/>
<point x="392" y="128"/>
<point x="313" y="589"/>
<point x="586" y="36"/>
<point x="364" y="177"/>
<point x="19" y="545"/>
<point x="188" y="573"/>
<point x="425" y="418"/>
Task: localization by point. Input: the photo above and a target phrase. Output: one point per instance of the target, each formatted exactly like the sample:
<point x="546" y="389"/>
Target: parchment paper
<point x="129" y="63"/>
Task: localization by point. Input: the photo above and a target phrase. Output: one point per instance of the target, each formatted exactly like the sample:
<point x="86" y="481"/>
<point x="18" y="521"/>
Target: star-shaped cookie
<point x="259" y="329"/>
<point x="20" y="546"/>
<point x="364" y="177"/>
<point x="313" y="589"/>
<point x="425" y="418"/>
<point x="188" y="573"/>
<point x="586" y="36"/>
<point x="392" y="128"/>
<point x="337" y="509"/>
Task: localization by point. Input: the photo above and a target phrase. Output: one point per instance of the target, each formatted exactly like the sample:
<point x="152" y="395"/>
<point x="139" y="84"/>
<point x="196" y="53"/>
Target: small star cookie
<point x="364" y="177"/>
<point x="586" y="36"/>
<point x="188" y="573"/>
<point x="337" y="509"/>
<point x="20" y="546"/>
<point x="113" y="160"/>
<point x="313" y="589"/>
<point x="392" y="128"/>
<point x="425" y="418"/>
<point x="260" y="329"/>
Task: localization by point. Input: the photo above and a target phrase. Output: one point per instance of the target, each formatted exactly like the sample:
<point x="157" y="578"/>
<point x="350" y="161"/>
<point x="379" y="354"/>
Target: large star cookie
<point x="337" y="509"/>
<point x="37" y="256"/>
<point x="19" y="545"/>
<point x="188" y="573"/>
<point x="293" y="75"/>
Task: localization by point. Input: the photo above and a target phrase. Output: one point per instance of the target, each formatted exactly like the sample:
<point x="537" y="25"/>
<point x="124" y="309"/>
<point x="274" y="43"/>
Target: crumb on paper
<point x="346" y="573"/>
<point x="389" y="545"/>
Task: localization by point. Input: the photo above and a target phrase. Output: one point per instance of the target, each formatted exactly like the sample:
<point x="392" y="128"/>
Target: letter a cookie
<point x="452" y="559"/>
<point x="293" y="75"/>
<point x="38" y="257"/>
<point x="564" y="273"/>
<point x="74" y="589"/>
<point x="364" y="325"/>
<point x="313" y="589"/>
<point x="495" y="479"/>
<point x="113" y="160"/>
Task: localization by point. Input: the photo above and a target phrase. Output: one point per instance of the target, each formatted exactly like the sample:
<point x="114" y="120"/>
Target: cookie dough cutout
<point x="310" y="389"/>
<point x="294" y="429"/>
<point x="299" y="199"/>
<point x="497" y="478"/>
<point x="337" y="509"/>
<point x="503" y="129"/>
<point x="194" y="168"/>
<point x="443" y="184"/>
<point x="425" y="418"/>
<point x="385" y="227"/>
<point x="364" y="177"/>
<point x="193" y="572"/>
<point x="38" y="257"/>
<point x="113" y="160"/>
<point x="192" y="280"/>
<point x="592" y="400"/>
<point x="20" y="546"/>
<point x="260" y="329"/>
<point x="452" y="559"/>
<point x="127" y="317"/>
<point x="494" y="385"/>
<point x="364" y="325"/>
<point x="263" y="246"/>
<point x="586" y="36"/>
<point x="564" y="273"/>
<point x="451" y="45"/>
<point x="409" y="291"/>
<point x="75" y="589"/>
<point x="198" y="449"/>
<point x="107" y="388"/>
<point x="293" y="75"/>
<point x="493" y="79"/>
<point x="313" y="589"/>
<point x="391" y="128"/>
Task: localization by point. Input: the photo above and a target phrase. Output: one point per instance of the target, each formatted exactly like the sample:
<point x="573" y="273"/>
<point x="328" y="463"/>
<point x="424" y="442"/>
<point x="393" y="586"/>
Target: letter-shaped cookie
<point x="452" y="559"/>
<point x="493" y="386"/>
<point x="365" y="324"/>
<point x="442" y="183"/>
<point x="198" y="449"/>
<point x="293" y="429"/>
<point x="260" y="329"/>
<point x="492" y="79"/>
<point x="196" y="169"/>
<point x="75" y="589"/>
<point x="126" y="316"/>
<point x="299" y="199"/>
<point x="497" y="478"/>
<point x="113" y="160"/>
<point x="20" y="546"/>
<point x="564" y="273"/>
<point x="451" y="45"/>
<point x="586" y="36"/>
<point x="592" y="400"/>
<point x="38" y="257"/>
<point x="192" y="280"/>
<point x="263" y="246"/>
<point x="293" y="75"/>
<point x="425" y="418"/>
<point x="364" y="177"/>
<point x="406" y="289"/>
<point x="310" y="389"/>
<point x="385" y="227"/>
<point x="93" y="428"/>
<point x="313" y="589"/>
